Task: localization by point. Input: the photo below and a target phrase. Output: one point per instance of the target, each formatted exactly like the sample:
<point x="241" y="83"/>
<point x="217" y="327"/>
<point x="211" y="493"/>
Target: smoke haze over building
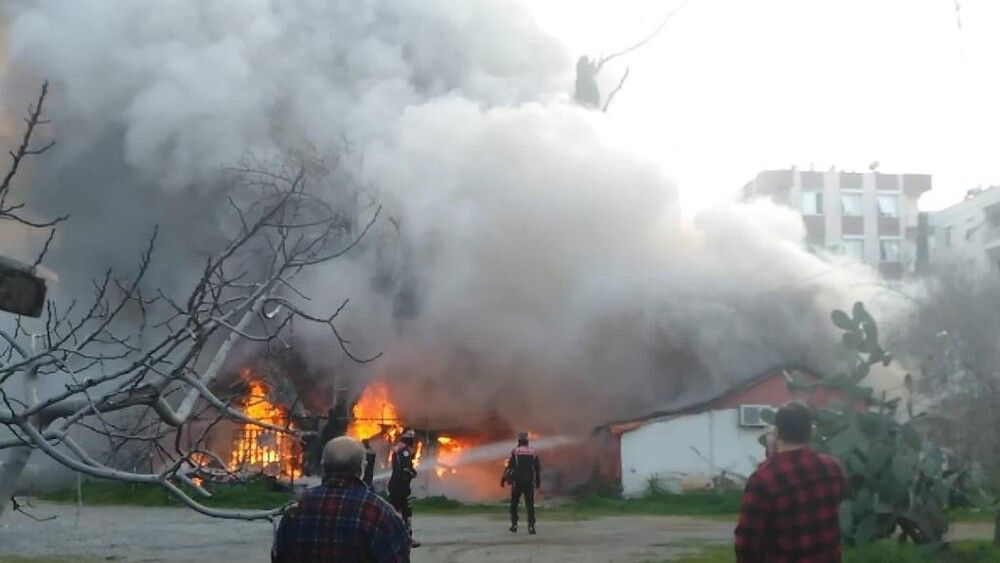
<point x="530" y="260"/>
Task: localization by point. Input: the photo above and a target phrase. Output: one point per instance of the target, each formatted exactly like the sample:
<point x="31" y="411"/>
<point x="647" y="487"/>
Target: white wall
<point x="663" y="450"/>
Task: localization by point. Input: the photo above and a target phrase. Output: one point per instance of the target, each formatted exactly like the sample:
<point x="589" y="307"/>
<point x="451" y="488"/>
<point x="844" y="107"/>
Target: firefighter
<point x="524" y="473"/>
<point x="401" y="461"/>
<point x="338" y="418"/>
<point x="369" y="474"/>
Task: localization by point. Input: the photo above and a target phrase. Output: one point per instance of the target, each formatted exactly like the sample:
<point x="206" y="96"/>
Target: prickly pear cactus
<point x="895" y="479"/>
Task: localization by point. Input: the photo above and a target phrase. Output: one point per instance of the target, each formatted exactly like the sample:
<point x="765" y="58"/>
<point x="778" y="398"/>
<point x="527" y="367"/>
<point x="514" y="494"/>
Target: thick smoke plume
<point x="528" y="265"/>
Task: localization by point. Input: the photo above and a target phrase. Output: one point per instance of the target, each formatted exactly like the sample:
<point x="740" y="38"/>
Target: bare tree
<point x="586" y="92"/>
<point x="128" y="347"/>
<point x="953" y="337"/>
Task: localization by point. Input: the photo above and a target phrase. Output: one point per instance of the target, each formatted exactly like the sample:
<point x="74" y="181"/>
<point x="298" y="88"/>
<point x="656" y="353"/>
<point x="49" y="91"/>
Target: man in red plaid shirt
<point x="791" y="503"/>
<point x="342" y="520"/>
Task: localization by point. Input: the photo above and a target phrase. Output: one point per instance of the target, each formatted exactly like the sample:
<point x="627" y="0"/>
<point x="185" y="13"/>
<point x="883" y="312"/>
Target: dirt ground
<point x="176" y="534"/>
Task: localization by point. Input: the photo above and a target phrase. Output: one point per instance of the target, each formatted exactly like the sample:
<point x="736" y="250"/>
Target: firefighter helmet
<point x="522" y="436"/>
<point x="408" y="434"/>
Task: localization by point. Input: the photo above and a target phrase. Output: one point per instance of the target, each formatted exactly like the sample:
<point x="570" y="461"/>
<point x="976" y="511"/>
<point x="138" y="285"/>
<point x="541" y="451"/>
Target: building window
<point x="812" y="203"/>
<point x="850" y="205"/>
<point x="889" y="251"/>
<point x="888" y="206"/>
<point x="854" y="248"/>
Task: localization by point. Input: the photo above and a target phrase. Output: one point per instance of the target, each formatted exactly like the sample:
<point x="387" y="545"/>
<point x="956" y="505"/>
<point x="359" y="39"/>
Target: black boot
<point x="513" y="528"/>
<point x="531" y="529"/>
<point x="409" y="531"/>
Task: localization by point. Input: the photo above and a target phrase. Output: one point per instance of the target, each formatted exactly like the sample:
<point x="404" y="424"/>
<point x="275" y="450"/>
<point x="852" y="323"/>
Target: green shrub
<point x="885" y="551"/>
<point x="895" y="478"/>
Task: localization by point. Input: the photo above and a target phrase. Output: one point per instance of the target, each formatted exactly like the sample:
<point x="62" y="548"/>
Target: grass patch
<point x="256" y="495"/>
<point x="723" y="505"/>
<point x="443" y="505"/>
<point x="970" y="515"/>
<point x="888" y="551"/>
<point x="48" y="559"/>
<point x="710" y="554"/>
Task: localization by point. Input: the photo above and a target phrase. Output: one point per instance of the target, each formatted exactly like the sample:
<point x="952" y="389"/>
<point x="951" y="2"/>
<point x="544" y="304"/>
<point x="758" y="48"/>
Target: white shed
<point x="719" y="435"/>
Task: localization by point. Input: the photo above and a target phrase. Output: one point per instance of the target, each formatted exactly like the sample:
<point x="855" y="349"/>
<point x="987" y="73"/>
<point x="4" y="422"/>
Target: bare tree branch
<point x="644" y="41"/>
<point x="17" y="157"/>
<point x="18" y="507"/>
<point x="135" y="350"/>
<point x="618" y="88"/>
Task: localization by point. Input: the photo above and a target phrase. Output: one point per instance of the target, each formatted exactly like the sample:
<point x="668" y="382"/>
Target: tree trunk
<point x="10" y="471"/>
<point x="996" y="528"/>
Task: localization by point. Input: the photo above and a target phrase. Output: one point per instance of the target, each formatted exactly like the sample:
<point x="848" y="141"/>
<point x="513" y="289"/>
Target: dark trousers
<point x="528" y="490"/>
<point x="399" y="498"/>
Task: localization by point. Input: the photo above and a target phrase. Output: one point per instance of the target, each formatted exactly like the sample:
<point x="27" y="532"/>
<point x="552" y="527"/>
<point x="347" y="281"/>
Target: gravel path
<point x="176" y="534"/>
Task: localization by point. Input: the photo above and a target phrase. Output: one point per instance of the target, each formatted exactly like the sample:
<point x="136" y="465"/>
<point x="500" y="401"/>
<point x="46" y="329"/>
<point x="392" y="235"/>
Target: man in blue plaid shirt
<point x="342" y="520"/>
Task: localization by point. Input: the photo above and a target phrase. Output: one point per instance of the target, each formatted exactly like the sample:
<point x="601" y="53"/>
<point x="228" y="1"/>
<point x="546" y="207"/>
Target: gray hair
<point x="343" y="455"/>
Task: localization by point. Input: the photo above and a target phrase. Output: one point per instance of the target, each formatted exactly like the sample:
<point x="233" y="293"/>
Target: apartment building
<point x="967" y="234"/>
<point x="869" y="216"/>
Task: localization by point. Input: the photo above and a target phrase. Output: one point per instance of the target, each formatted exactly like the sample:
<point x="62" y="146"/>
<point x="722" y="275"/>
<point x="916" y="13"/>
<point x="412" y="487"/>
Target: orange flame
<point x="418" y="454"/>
<point x="449" y="450"/>
<point x="257" y="448"/>
<point x="374" y="414"/>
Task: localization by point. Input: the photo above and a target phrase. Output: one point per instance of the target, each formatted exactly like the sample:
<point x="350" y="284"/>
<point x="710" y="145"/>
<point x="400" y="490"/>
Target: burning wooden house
<point x="457" y="460"/>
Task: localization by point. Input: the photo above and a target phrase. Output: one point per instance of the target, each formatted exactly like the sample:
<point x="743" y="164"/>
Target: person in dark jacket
<point x="401" y="462"/>
<point x="369" y="475"/>
<point x="338" y="418"/>
<point x="524" y="473"/>
<point x="341" y="520"/>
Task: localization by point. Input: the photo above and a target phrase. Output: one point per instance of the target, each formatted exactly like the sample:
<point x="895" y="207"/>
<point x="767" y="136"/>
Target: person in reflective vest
<point x="401" y="461"/>
<point x="524" y="473"/>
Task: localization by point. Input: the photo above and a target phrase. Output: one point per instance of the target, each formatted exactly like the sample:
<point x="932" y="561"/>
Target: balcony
<point x="889" y="226"/>
<point x="916" y="184"/>
<point x="811" y="180"/>
<point x="851" y="225"/>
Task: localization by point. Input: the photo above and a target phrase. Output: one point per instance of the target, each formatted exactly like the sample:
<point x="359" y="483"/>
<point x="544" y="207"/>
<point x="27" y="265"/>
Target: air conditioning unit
<point x="750" y="415"/>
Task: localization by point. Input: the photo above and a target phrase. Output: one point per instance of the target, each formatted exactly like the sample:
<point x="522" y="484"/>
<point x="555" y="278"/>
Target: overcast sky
<point x="732" y="87"/>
